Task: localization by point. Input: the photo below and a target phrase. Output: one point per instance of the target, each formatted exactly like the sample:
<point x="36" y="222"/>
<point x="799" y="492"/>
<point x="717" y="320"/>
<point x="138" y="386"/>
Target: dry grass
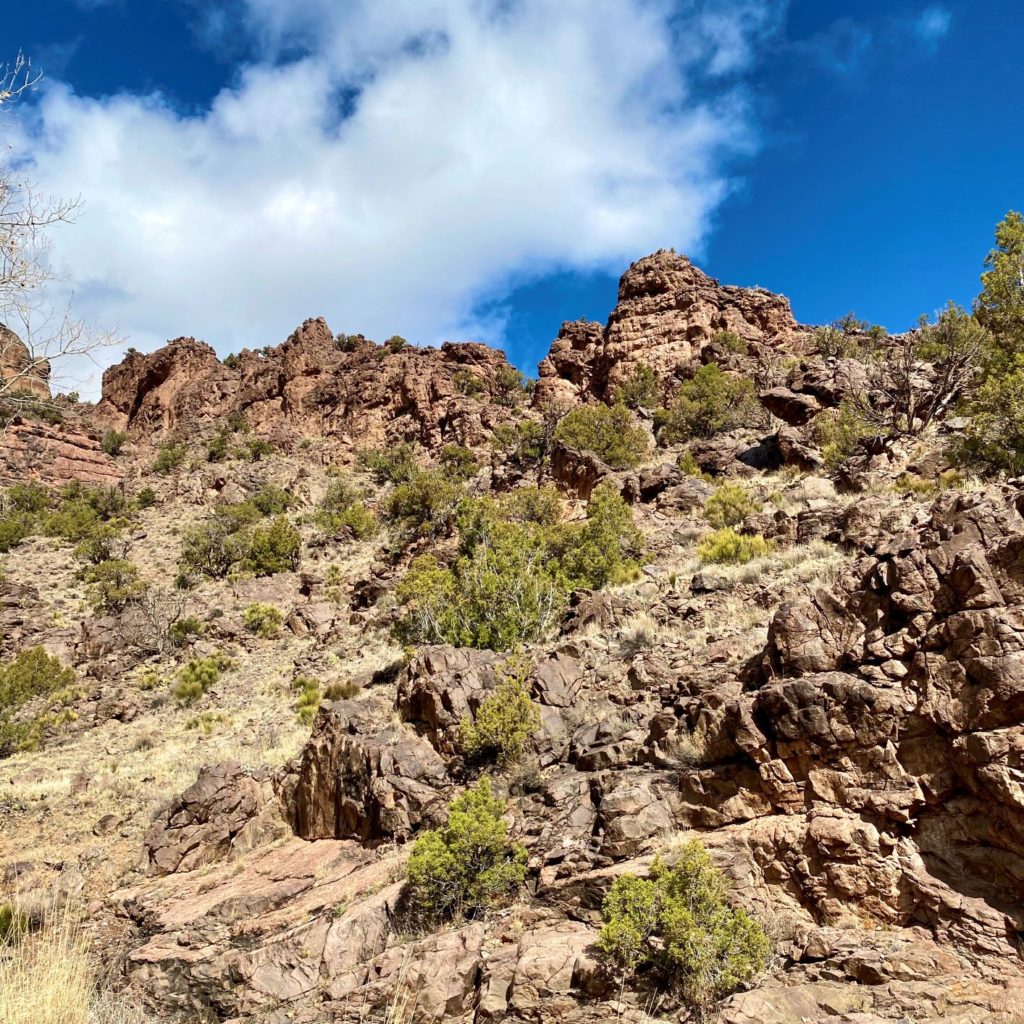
<point x="52" y="977"/>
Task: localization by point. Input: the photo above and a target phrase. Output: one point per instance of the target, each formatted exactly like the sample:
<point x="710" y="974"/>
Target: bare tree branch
<point x="35" y="332"/>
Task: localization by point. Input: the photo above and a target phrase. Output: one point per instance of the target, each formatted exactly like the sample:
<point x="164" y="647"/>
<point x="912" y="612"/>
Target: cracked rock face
<point x="859" y="784"/>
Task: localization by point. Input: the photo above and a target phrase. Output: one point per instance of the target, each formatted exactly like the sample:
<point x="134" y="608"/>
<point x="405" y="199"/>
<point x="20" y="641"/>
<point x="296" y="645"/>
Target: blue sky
<point x="487" y="168"/>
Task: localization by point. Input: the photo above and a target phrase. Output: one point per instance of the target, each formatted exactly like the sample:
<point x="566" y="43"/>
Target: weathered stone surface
<point x="357" y="780"/>
<point x="227" y="810"/>
<point x="364" y="396"/>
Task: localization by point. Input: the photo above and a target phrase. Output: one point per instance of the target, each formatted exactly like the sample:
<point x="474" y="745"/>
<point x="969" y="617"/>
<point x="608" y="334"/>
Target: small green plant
<point x="115" y="583"/>
<point x="470" y="864"/>
<point x="396" y="465"/>
<point x="505" y="721"/>
<point x="218" y="447"/>
<point x="113" y="441"/>
<point x="263" y="619"/>
<point x="342" y="689"/>
<point x="711" y="403"/>
<point x="607" y="432"/>
<point x="14" y="924"/>
<point x="839" y="432"/>
<point x="272" y="549"/>
<point x="146" y="498"/>
<point x="184" y="629"/>
<point x="690" y="467"/>
<point x="467" y="383"/>
<point x="396" y="343"/>
<point x="730" y="505"/>
<point x="169" y="457"/>
<point x="679" y="924"/>
<point x="641" y="390"/>
<point x="425" y="505"/>
<point x="33" y="673"/>
<point x="231" y="361"/>
<point x="344" y="508"/>
<point x="727" y="547"/>
<point x="206" y="722"/>
<point x="256" y="449"/>
<point x="309" y="697"/>
<point x="196" y="677"/>
<point x="730" y="341"/>
<point x="511" y="386"/>
<point x="349" y="342"/>
<point x="458" y="462"/>
<point x="149" y="679"/>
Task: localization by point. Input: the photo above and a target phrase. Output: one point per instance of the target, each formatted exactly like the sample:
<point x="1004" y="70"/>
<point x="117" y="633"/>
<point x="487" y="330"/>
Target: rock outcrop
<point x="667" y="312"/>
<point x="19" y="369"/>
<point x="362" y="395"/>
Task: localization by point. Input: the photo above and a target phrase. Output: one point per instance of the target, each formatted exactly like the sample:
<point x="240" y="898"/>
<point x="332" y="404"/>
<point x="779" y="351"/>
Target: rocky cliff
<point x="838" y="719"/>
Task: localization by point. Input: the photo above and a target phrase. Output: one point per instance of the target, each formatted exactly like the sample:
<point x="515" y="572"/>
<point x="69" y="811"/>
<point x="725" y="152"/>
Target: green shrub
<point x="678" y="923"/>
<point x="115" y="584"/>
<point x="505" y="722"/>
<point x="605" y="550"/>
<point x="349" y="342"/>
<point x="426" y="505"/>
<point x="711" y="403"/>
<point x="195" y="678"/>
<point x="396" y="343"/>
<point x="146" y="498"/>
<point x="263" y="619"/>
<point x="169" y="457"/>
<point x="510" y="583"/>
<point x="342" y="689"/>
<point x="271" y="549"/>
<point x="308" y="701"/>
<point x="510" y="386"/>
<point x="113" y="441"/>
<point x="499" y="596"/>
<point x="343" y="509"/>
<point x="14" y="528"/>
<point x="270" y="500"/>
<point x="14" y="924"/>
<point x="33" y="673"/>
<point x="727" y="547"/>
<point x="641" y="390"/>
<point x="839" y="433"/>
<point x="185" y="627"/>
<point x="231" y="361"/>
<point x="607" y="432"/>
<point x="690" y="467"/>
<point x="396" y="465"/>
<point x="30" y="497"/>
<point x="103" y="545"/>
<point x="218" y="446"/>
<point x="993" y="441"/>
<point x="525" y="443"/>
<point x="458" y="462"/>
<point x="229" y="540"/>
<point x="256" y="448"/>
<point x="730" y="505"/>
<point x="730" y="341"/>
<point x="467" y="383"/>
<point x="469" y="865"/>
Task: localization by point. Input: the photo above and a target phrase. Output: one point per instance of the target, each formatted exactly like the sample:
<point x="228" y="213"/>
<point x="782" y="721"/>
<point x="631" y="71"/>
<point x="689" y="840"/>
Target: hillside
<point x="264" y="619"/>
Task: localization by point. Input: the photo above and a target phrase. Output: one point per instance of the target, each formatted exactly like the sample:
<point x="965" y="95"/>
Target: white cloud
<point x="487" y="141"/>
<point x="933" y="25"/>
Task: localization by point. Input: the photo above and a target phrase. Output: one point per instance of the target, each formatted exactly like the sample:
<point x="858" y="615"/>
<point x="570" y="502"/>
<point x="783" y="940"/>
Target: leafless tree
<point x="148" y="624"/>
<point x="917" y="377"/>
<point x="34" y="331"/>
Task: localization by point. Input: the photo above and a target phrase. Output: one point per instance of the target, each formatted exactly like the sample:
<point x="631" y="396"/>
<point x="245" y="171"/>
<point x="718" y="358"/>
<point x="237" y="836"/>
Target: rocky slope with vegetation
<point x="344" y="682"/>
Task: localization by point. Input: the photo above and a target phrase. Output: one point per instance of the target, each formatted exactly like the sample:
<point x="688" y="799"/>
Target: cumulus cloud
<point x="390" y="165"/>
